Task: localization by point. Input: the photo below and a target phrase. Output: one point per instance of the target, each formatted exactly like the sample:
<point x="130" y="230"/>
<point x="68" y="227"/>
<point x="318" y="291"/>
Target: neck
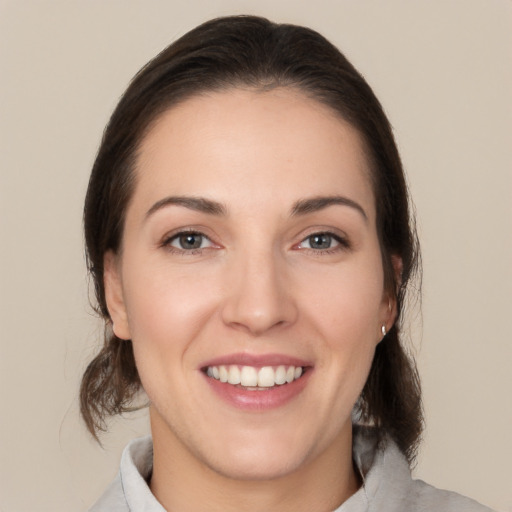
<point x="183" y="483"/>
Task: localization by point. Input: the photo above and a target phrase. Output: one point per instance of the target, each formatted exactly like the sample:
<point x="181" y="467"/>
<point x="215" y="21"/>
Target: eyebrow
<point x="301" y="207"/>
<point x="199" y="204"/>
<point x="314" y="204"/>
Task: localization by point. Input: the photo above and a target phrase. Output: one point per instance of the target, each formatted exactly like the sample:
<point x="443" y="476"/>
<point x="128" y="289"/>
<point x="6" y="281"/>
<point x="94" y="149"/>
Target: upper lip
<point x="256" y="360"/>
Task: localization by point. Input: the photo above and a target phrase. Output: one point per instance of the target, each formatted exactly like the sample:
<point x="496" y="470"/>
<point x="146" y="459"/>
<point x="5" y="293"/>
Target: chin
<point x="256" y="465"/>
<point x="259" y="455"/>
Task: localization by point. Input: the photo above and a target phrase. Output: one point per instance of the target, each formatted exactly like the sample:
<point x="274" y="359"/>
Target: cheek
<point x="349" y="298"/>
<point x="166" y="309"/>
<point x="346" y="309"/>
<point x="166" y="313"/>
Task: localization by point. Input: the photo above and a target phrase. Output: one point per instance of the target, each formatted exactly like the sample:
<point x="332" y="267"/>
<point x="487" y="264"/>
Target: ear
<point x="389" y="309"/>
<point x="114" y="296"/>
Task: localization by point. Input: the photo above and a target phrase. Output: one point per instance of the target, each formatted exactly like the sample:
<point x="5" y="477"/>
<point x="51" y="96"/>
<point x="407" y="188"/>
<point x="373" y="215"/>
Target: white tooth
<point x="209" y="371"/>
<point x="290" y="374"/>
<point x="266" y="377"/>
<point x="234" y="375"/>
<point x="280" y="375"/>
<point x="215" y="372"/>
<point x="248" y="376"/>
<point x="223" y="374"/>
<point x="298" y="372"/>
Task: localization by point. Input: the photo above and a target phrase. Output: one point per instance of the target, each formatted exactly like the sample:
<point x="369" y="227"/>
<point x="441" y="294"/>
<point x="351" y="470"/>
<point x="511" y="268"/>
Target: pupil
<point x="190" y="241"/>
<point x="322" y="241"/>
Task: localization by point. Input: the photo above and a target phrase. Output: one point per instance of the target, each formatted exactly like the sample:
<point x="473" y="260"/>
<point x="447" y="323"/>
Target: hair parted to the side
<point x="252" y="52"/>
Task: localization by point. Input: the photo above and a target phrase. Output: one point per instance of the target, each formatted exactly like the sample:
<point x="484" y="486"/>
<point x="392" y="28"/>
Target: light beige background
<point x="441" y="68"/>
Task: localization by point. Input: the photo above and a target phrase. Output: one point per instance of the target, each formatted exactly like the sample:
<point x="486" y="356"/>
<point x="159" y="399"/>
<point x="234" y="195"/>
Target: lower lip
<point x="258" y="400"/>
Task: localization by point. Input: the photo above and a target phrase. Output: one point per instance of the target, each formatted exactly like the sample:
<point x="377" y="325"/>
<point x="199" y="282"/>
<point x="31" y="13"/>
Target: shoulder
<point x="430" y="498"/>
<point x="389" y="487"/>
<point x="130" y="491"/>
<point x="113" y="499"/>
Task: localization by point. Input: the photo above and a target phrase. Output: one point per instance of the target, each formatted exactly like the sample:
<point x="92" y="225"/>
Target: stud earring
<point x="383" y="330"/>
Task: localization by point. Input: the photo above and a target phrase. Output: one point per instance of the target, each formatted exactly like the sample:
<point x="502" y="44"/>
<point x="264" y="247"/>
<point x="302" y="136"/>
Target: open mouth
<point x="255" y="378"/>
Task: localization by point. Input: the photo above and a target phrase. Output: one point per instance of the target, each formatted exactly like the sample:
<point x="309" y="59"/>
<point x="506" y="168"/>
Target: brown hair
<point x="247" y="51"/>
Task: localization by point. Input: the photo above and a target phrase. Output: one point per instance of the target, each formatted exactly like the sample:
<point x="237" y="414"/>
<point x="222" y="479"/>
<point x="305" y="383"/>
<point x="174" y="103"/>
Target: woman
<point x="248" y="232"/>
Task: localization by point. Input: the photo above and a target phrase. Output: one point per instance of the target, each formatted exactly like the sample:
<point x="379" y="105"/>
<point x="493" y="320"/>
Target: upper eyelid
<point x="173" y="233"/>
<point x="327" y="230"/>
<point x="187" y="232"/>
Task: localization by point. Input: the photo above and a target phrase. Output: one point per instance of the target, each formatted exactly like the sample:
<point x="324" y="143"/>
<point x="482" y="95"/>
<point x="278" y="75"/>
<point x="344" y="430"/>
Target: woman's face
<point x="250" y="253"/>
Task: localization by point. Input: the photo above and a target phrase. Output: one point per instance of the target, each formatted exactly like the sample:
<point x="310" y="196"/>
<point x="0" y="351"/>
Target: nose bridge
<point x="258" y="298"/>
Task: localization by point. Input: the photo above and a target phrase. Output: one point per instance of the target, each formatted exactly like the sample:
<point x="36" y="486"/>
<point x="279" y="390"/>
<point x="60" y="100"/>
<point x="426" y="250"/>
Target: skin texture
<point x="257" y="285"/>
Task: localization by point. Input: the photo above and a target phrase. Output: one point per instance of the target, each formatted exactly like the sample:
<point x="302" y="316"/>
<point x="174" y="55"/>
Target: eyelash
<point x="342" y="243"/>
<point x="168" y="240"/>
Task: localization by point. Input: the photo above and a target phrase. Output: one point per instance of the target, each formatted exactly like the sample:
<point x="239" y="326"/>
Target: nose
<point x="260" y="294"/>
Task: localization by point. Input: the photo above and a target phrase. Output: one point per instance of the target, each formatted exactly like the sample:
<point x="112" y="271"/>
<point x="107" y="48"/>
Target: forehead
<point x="231" y="142"/>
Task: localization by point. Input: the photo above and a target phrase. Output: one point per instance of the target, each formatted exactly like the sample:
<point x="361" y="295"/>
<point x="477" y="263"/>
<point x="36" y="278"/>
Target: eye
<point x="188" y="241"/>
<point x="323" y="242"/>
<point x="318" y="241"/>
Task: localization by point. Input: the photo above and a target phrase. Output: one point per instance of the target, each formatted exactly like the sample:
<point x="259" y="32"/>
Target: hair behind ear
<point x="391" y="397"/>
<point x="109" y="384"/>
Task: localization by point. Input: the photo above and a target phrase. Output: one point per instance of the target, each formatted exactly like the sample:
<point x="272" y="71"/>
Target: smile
<point x="255" y="378"/>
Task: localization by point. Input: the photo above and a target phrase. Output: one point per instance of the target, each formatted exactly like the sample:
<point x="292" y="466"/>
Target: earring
<point x="383" y="330"/>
